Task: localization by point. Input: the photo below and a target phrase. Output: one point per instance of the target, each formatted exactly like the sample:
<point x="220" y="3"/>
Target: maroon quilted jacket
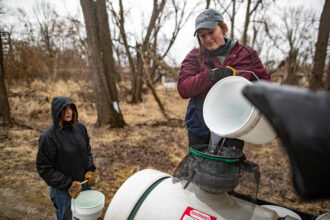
<point x="193" y="79"/>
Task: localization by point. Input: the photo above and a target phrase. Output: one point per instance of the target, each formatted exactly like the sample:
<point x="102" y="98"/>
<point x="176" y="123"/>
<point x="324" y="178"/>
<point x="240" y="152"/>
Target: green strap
<point x="227" y="160"/>
<point x="143" y="197"/>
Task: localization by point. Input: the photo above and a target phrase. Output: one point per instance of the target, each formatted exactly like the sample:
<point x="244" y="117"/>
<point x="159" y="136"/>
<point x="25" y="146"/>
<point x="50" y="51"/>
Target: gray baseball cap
<point x="207" y="19"/>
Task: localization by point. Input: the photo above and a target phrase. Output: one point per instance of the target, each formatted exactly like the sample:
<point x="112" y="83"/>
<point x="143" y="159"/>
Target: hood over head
<point x="58" y="104"/>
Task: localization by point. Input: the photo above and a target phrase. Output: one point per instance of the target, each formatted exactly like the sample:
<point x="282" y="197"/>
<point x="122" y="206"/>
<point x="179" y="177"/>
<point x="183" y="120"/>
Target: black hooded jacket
<point x="64" y="155"/>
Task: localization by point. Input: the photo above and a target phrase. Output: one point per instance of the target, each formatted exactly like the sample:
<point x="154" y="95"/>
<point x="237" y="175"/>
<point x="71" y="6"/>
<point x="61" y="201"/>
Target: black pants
<point x="194" y="140"/>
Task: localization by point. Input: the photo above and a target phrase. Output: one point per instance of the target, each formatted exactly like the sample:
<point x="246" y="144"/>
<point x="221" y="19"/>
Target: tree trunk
<point x="321" y="48"/>
<point x="149" y="43"/>
<point x="232" y="19"/>
<point x="106" y="48"/>
<point x="291" y="67"/>
<point x="208" y="3"/>
<point x="4" y="110"/>
<point x="135" y="83"/>
<point x="100" y="57"/>
<point x="137" y="88"/>
<point x="247" y="18"/>
<point x="137" y="80"/>
<point x="164" y="65"/>
<point x="246" y="23"/>
<point x="127" y="49"/>
<point x="151" y="85"/>
<point x="328" y="75"/>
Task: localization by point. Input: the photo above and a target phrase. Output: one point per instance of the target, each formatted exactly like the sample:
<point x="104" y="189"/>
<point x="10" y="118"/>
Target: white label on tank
<point x="186" y="217"/>
<point x="194" y="214"/>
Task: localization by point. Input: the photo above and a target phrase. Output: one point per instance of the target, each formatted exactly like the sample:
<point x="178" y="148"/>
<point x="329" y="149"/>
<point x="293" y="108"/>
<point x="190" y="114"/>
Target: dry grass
<point x="149" y="141"/>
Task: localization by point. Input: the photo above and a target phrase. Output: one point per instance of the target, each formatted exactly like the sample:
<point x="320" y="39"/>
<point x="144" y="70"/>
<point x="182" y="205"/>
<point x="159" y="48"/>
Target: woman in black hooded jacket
<point x="64" y="158"/>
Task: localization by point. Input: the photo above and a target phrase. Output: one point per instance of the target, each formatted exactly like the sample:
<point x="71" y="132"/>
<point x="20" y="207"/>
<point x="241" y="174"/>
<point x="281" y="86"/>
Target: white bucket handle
<point x="73" y="206"/>
<point x="248" y="71"/>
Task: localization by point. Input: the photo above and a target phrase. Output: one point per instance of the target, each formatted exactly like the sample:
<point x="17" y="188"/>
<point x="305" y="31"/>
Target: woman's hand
<point x="75" y="189"/>
<point x="219" y="73"/>
<point x="91" y="177"/>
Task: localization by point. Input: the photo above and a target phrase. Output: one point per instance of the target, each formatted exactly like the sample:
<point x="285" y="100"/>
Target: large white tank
<point x="151" y="194"/>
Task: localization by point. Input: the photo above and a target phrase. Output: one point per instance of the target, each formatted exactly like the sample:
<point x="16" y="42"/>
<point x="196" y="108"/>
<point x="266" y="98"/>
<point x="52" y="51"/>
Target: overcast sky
<point x="142" y="8"/>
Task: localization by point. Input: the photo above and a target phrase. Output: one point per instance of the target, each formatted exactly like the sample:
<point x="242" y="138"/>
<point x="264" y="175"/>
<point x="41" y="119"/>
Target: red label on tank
<point x="194" y="214"/>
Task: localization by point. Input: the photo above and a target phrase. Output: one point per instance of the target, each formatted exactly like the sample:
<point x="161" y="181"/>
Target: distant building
<point x="168" y="82"/>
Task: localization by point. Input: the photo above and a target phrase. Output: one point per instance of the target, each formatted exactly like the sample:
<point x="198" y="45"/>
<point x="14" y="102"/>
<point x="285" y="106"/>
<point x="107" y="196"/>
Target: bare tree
<point x="208" y="4"/>
<point x="149" y="44"/>
<point x="328" y="75"/>
<point x="137" y="65"/>
<point x="321" y="48"/>
<point x="250" y="9"/>
<point x="25" y="57"/>
<point x="163" y="64"/>
<point x="225" y="10"/>
<point x="101" y="61"/>
<point x="137" y="86"/>
<point x="293" y="38"/>
<point x="76" y="37"/>
<point x="4" y="102"/>
<point x="181" y="16"/>
<point x="4" y="110"/>
<point x="157" y="53"/>
<point x="47" y="20"/>
<point x="120" y="22"/>
<point x="151" y="85"/>
<point x="232" y="19"/>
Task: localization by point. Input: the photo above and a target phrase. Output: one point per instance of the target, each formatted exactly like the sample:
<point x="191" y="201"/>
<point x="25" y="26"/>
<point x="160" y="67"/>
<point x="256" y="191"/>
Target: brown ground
<point x="149" y="141"/>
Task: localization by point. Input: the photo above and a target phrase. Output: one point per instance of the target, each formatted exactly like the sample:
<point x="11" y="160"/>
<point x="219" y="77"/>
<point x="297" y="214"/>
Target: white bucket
<point x="229" y="114"/>
<point x="88" y="205"/>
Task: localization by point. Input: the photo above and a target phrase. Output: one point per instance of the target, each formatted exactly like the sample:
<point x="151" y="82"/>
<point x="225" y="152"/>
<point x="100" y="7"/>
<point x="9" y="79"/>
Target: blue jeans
<point x="62" y="202"/>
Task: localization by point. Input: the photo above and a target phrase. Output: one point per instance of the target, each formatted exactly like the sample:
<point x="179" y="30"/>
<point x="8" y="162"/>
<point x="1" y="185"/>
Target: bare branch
<point x="151" y="85"/>
<point x="163" y="64"/>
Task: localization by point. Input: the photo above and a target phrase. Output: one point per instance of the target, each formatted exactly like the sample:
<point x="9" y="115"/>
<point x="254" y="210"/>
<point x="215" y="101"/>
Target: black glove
<point x="219" y="73"/>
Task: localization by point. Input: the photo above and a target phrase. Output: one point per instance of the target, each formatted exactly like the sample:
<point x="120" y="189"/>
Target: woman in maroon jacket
<point x="217" y="57"/>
